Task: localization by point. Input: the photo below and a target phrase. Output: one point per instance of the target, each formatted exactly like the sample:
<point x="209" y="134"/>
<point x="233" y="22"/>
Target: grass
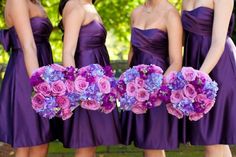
<point x="56" y="150"/>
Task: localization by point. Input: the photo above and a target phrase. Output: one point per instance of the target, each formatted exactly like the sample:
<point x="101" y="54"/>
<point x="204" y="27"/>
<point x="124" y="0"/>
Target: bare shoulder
<point x="172" y="13"/>
<point x="229" y="3"/>
<point x="136" y="11"/>
<point x="73" y="6"/>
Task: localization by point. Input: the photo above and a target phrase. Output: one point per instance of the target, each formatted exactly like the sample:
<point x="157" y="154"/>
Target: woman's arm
<point x="222" y="14"/>
<point x="175" y="35"/>
<point x="73" y="16"/>
<point x="19" y="14"/>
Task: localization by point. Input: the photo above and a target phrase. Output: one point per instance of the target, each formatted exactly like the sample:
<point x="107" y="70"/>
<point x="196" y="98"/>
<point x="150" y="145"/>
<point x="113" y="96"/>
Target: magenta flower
<point x="63" y="102"/>
<point x="43" y="88"/>
<point x="81" y="84"/>
<point x="173" y="111"/>
<point x="142" y="95"/>
<point x="189" y="73"/>
<point x="104" y="85"/>
<point x="176" y="96"/>
<point x="58" y="88"/>
<point x="189" y="91"/>
<point x="139" y="108"/>
<point x="90" y="105"/>
<point x="131" y="89"/>
<point x="38" y="102"/>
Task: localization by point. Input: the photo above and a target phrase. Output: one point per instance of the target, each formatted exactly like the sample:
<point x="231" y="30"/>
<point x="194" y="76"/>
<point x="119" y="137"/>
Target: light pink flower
<point x="201" y="98"/>
<point x="157" y="69"/>
<point x="90" y="105"/>
<point x="63" y="102"/>
<point x="173" y="111"/>
<point x="157" y="103"/>
<point x="139" y="82"/>
<point x="70" y="86"/>
<point x="189" y="73"/>
<point x="189" y="91"/>
<point x="195" y="116"/>
<point x="58" y="88"/>
<point x="104" y="85"/>
<point x="43" y="88"/>
<point x="81" y="84"/>
<point x="176" y="96"/>
<point x="58" y="67"/>
<point x="203" y="75"/>
<point x="170" y="78"/>
<point x="142" y="95"/>
<point x="138" y="108"/>
<point x="66" y="114"/>
<point x="209" y="104"/>
<point x="38" y="101"/>
<point x="131" y="89"/>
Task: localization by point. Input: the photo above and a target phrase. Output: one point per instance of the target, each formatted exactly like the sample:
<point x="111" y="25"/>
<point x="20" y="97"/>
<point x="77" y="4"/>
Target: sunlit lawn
<point x="56" y="150"/>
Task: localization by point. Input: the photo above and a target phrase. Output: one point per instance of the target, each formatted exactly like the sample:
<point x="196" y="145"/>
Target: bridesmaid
<point x="208" y="25"/>
<point x="84" y="44"/>
<point x="27" y="38"/>
<point x="156" y="39"/>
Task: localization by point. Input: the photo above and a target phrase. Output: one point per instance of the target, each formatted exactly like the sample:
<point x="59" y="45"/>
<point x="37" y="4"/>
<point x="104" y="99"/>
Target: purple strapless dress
<point x="218" y="126"/>
<point x="20" y="125"/>
<point x="88" y="128"/>
<point x="156" y="129"/>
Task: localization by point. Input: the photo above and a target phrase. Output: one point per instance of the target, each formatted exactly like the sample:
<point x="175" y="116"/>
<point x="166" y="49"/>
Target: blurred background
<point x="116" y="18"/>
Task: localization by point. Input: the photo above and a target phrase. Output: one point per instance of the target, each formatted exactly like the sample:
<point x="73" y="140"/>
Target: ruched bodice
<point x="92" y="35"/>
<point x="41" y="28"/>
<point x="200" y="21"/>
<point x="149" y="47"/>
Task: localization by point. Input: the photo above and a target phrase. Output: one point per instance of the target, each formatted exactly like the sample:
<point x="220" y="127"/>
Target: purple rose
<point x="131" y="89"/>
<point x="142" y="95"/>
<point x="139" y="108"/>
<point x="189" y="91"/>
<point x="58" y="88"/>
<point x="189" y="73"/>
<point x="176" y="96"/>
<point x="173" y="111"/>
<point x="90" y="105"/>
<point x="104" y="85"/>
<point x="38" y="102"/>
<point x="43" y="88"/>
<point x="108" y="71"/>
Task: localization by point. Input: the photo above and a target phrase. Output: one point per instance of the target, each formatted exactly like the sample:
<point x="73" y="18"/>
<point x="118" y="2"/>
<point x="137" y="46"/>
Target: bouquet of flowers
<point x="96" y="87"/>
<point x="138" y="88"/>
<point x="192" y="93"/>
<point x="54" y="91"/>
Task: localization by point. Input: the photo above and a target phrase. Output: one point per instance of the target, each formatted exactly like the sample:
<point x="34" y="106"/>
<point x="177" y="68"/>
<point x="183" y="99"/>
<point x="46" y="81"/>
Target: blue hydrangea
<point x="185" y="106"/>
<point x="127" y="102"/>
<point x="154" y="81"/>
<point x="130" y="75"/>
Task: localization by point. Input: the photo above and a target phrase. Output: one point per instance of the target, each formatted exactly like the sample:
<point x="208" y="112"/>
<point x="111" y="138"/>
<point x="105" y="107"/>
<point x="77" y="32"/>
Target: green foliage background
<point x="115" y="15"/>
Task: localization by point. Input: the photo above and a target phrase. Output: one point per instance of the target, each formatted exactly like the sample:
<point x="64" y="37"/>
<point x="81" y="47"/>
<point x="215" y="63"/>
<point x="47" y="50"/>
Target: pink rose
<point x="66" y="114"/>
<point x="139" y="108"/>
<point x="157" y="69"/>
<point x="170" y="78"/>
<point x="90" y="105"/>
<point x="189" y="73"/>
<point x="104" y="85"/>
<point x="203" y="76"/>
<point x="195" y="116"/>
<point x="70" y="86"/>
<point x="139" y="82"/>
<point x="107" y="111"/>
<point x="81" y="84"/>
<point x="173" y="111"/>
<point x="209" y="104"/>
<point x="157" y="103"/>
<point x="201" y="98"/>
<point x="58" y="88"/>
<point x="131" y="89"/>
<point x="176" y="96"/>
<point x="142" y="95"/>
<point x="63" y="102"/>
<point x="58" y="67"/>
<point x="189" y="91"/>
<point x="43" y="88"/>
<point x="38" y="101"/>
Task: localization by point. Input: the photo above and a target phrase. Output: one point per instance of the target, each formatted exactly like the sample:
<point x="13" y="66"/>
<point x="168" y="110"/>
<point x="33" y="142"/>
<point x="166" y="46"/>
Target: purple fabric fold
<point x="5" y="39"/>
